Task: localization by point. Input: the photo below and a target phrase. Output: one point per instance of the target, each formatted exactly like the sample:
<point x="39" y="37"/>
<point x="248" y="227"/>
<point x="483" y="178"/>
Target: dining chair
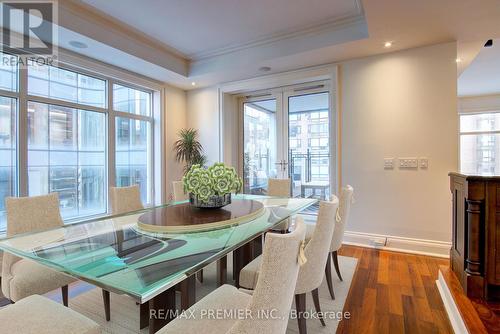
<point x="278" y="187"/>
<point x="179" y="193"/>
<point x="311" y="273"/>
<point x="345" y="201"/>
<point x="39" y="315"/>
<point x="273" y="295"/>
<point x="21" y="277"/>
<point x="125" y="199"/>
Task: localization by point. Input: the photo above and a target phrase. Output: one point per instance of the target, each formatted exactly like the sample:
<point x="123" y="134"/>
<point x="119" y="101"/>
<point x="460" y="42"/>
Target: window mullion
<point x="22" y="133"/>
<point x="111" y="141"/>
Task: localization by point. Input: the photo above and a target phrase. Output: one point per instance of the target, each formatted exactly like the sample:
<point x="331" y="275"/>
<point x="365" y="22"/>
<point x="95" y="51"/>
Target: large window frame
<point x="490" y="134"/>
<point x="23" y="98"/>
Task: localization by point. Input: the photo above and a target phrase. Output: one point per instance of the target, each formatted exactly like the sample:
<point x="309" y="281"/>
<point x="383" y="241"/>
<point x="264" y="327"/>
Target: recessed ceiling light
<point x="78" y="45"/>
<point x="193" y="83"/>
<point x="264" y="69"/>
<point x="388" y="44"/>
<point x="458" y="60"/>
<point x="488" y="44"/>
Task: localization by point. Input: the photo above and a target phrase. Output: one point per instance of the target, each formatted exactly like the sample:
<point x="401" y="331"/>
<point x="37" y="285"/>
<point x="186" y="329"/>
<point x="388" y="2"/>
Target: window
<point x="480" y="143"/>
<point x="67" y="137"/>
<point x="67" y="155"/>
<point x="294" y="143"/>
<point x="133" y="155"/>
<point x="133" y="139"/>
<point x="318" y="129"/>
<point x="8" y="153"/>
<point x="318" y="143"/>
<point x="131" y="100"/>
<point x="61" y="84"/>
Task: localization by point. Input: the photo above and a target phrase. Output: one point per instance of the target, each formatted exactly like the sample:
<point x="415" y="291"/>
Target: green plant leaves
<point x="218" y="179"/>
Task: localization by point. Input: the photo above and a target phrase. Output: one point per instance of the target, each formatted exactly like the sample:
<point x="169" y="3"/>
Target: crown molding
<point x="324" y="26"/>
<point x="90" y="22"/>
<point x="95" y="16"/>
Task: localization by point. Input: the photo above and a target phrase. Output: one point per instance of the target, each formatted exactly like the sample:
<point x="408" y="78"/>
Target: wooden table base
<point x="162" y="309"/>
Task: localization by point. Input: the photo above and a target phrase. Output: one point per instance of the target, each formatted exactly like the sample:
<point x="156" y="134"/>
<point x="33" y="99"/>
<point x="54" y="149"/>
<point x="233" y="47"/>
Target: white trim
<point x="103" y="70"/>
<point x="281" y="80"/>
<point x="329" y="25"/>
<point x="393" y="243"/>
<point x="479" y="104"/>
<point x="398" y="244"/>
<point x="457" y="323"/>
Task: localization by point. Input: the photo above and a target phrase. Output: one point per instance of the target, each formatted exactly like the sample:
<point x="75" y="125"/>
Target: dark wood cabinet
<point x="475" y="251"/>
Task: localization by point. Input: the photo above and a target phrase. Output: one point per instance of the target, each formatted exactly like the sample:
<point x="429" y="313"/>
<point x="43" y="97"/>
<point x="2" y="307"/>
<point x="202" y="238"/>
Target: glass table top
<point x="115" y="254"/>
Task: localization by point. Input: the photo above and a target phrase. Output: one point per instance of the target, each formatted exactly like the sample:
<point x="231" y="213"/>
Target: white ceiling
<point x="482" y="77"/>
<point x="215" y="41"/>
<point x="198" y="27"/>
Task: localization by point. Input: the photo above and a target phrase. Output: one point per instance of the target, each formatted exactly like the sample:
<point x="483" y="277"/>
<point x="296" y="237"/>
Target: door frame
<point x="281" y="94"/>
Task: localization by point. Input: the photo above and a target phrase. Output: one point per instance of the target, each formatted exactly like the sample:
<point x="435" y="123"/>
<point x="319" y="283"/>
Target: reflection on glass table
<point x="114" y="254"/>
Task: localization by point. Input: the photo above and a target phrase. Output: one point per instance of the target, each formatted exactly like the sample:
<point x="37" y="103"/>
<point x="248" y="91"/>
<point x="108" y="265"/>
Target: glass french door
<point x="287" y="134"/>
<point x="260" y="143"/>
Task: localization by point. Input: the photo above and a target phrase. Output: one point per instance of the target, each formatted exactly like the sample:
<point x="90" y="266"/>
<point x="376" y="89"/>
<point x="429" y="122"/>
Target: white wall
<point x="202" y="114"/>
<point x="175" y="119"/>
<point x="401" y="104"/>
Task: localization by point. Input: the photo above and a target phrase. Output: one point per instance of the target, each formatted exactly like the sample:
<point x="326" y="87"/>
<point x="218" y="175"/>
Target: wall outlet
<point x="388" y="163"/>
<point x="378" y="242"/>
<point x="424" y="163"/>
<point x="408" y="163"/>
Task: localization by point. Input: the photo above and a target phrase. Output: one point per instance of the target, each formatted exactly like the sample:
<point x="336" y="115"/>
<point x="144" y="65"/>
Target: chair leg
<point x="199" y="276"/>
<point x="328" y="276"/>
<point x="315" y="296"/>
<point x="107" y="304"/>
<point x="300" y="304"/>
<point x="64" y="292"/>
<point x="336" y="263"/>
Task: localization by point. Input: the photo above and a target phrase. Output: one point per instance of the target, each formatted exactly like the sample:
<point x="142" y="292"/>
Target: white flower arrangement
<point x="217" y="180"/>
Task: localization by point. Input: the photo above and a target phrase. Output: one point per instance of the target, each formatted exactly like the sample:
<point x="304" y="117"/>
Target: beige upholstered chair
<point x="125" y="199"/>
<point x="272" y="293"/>
<point x="21" y="277"/>
<point x="179" y="194"/>
<point x="38" y="315"/>
<point x="278" y="187"/>
<point x="346" y="195"/>
<point x="310" y="274"/>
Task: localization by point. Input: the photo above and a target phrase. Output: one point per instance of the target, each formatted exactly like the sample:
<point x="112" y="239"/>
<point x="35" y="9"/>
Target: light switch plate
<point x="410" y="163"/>
<point x="388" y="163"/>
<point x="424" y="163"/>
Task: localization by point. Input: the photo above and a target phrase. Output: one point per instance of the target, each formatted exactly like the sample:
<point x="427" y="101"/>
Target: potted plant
<point x="188" y="149"/>
<point x="211" y="187"/>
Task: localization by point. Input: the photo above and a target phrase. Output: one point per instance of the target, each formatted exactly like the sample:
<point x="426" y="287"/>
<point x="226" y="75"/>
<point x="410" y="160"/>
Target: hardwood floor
<point x="394" y="293"/>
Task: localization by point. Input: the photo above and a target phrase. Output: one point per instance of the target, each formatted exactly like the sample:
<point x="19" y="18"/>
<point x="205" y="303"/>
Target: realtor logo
<point x="28" y="27"/>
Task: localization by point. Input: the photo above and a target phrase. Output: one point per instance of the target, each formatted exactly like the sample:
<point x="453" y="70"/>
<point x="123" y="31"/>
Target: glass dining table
<point x="141" y="255"/>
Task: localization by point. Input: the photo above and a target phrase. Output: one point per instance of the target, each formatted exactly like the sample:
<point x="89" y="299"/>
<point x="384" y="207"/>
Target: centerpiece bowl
<point x="211" y="188"/>
<point x="213" y="202"/>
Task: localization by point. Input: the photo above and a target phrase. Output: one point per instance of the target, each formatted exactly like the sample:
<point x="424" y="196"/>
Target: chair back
<point x="273" y="294"/>
<point x="125" y="199"/>
<point x="344" y="210"/>
<point x="27" y="214"/>
<point x="317" y="250"/>
<point x="179" y="194"/>
<point x="32" y="214"/>
<point x="278" y="187"/>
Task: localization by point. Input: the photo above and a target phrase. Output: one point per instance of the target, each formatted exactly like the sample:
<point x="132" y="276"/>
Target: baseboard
<point x="451" y="308"/>
<point x="398" y="244"/>
<point x="393" y="243"/>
